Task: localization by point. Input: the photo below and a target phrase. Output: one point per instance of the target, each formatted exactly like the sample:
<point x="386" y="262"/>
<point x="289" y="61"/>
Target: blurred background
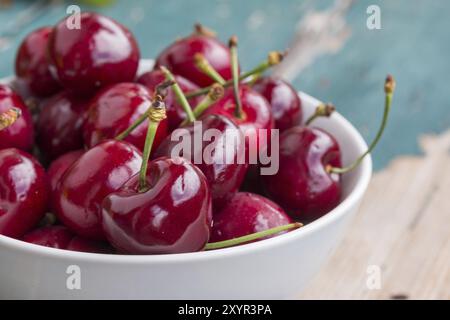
<point x="334" y="56"/>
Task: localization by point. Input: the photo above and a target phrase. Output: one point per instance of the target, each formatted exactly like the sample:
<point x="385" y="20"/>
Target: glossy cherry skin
<point x="60" y="237"/>
<point x="285" y="103"/>
<point x="32" y="65"/>
<point x="99" y="53"/>
<point x="60" y="124"/>
<point x="23" y="192"/>
<point x="256" y="114"/>
<point x="302" y="186"/>
<point x="60" y="165"/>
<point x="247" y="213"/>
<point x="179" y="58"/>
<point x="98" y="172"/>
<point x="57" y="237"/>
<point x="172" y="216"/>
<point x="114" y="109"/>
<point x="175" y="112"/>
<point x="21" y="133"/>
<point x="222" y="170"/>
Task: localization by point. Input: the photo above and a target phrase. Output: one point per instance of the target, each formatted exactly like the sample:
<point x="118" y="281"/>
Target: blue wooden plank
<point x="413" y="44"/>
<point x="157" y="23"/>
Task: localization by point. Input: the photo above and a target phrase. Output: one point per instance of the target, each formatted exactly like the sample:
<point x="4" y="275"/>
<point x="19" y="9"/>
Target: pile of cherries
<point x="85" y="145"/>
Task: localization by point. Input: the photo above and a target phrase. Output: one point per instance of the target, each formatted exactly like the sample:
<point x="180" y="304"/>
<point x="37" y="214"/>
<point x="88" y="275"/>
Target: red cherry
<point x="175" y="112"/>
<point x="284" y="100"/>
<point x="308" y="182"/>
<point x="23" y="192"/>
<point x="21" y="133"/>
<point x="57" y="237"/>
<point x="114" y="109"/>
<point x="60" y="124"/>
<point x="247" y="213"/>
<point x="223" y="172"/>
<point x="97" y="173"/>
<point x="100" y="52"/>
<point x="256" y="113"/>
<point x="287" y="112"/>
<point x="171" y="216"/>
<point x="59" y="166"/>
<point x="179" y="58"/>
<point x="302" y="185"/>
<point x="32" y="65"/>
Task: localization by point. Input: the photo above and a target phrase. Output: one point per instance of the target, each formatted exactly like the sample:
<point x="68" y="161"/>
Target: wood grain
<point x="317" y="33"/>
<point x="403" y="227"/>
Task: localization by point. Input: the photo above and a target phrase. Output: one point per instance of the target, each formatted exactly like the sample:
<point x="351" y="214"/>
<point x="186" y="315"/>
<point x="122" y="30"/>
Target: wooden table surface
<point x="403" y="226"/>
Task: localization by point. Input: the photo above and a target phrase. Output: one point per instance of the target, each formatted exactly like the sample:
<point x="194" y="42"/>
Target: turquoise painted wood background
<point x="413" y="44"/>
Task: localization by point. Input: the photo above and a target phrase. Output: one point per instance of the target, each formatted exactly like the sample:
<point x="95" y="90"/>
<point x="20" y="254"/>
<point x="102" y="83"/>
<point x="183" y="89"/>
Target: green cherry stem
<point x="157" y="112"/>
<point x="389" y="88"/>
<point x="204" y="66"/>
<point x="9" y="117"/>
<point x="160" y="95"/>
<point x="134" y="125"/>
<point x="151" y="131"/>
<point x="161" y="89"/>
<point x="274" y="58"/>
<point x="251" y="237"/>
<point x="235" y="73"/>
<point x="215" y="93"/>
<point x="322" y="110"/>
<point x="179" y="94"/>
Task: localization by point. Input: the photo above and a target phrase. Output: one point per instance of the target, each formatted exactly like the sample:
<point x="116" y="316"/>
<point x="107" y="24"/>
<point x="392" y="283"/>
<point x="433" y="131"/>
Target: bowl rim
<point x="339" y="211"/>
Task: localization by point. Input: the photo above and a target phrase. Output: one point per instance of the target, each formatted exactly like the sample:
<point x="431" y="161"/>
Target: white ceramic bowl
<point x="271" y="269"/>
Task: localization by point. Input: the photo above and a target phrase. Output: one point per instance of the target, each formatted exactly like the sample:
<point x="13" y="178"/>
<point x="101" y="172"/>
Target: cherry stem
<point x="135" y="124"/>
<point x="322" y="110"/>
<point x="232" y="44"/>
<point x="8" y="118"/>
<point x="274" y="58"/>
<point x="161" y="93"/>
<point x="201" y="30"/>
<point x="179" y="94"/>
<point x="251" y="237"/>
<point x="161" y="89"/>
<point x="213" y="95"/>
<point x="204" y="66"/>
<point x="157" y="112"/>
<point x="389" y="88"/>
<point x="253" y="79"/>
